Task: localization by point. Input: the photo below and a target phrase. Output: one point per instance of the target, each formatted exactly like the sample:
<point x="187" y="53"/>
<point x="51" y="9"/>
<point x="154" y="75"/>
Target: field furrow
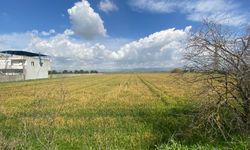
<point x="109" y="111"/>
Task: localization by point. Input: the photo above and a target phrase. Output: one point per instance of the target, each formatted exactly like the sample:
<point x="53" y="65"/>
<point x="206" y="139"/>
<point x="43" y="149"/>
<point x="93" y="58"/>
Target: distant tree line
<point x="73" y="72"/>
<point x="183" y="70"/>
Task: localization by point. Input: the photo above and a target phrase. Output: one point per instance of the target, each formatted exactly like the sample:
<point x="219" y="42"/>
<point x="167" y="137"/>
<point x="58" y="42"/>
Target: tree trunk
<point x="246" y="117"/>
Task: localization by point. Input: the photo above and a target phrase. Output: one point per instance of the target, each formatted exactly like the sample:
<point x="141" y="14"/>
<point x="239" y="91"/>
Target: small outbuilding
<point x="23" y="65"/>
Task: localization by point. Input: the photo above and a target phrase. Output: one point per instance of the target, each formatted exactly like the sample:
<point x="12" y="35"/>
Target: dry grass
<point x="115" y="111"/>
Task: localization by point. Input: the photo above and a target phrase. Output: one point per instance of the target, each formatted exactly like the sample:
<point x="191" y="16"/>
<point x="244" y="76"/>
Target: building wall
<point x="7" y="78"/>
<point x="6" y="62"/>
<point x="33" y="69"/>
<point x="30" y="66"/>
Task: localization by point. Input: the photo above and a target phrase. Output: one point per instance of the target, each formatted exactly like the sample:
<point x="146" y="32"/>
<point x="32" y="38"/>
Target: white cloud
<point x="160" y="49"/>
<point x="50" y="32"/>
<point x="226" y="12"/>
<point x="160" y="6"/>
<point x="16" y="40"/>
<point x="85" y="21"/>
<point x="107" y="6"/>
<point x="65" y="49"/>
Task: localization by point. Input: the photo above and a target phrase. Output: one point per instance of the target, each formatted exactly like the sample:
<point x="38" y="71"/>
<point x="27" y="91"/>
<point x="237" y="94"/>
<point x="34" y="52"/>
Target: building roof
<point x="21" y="53"/>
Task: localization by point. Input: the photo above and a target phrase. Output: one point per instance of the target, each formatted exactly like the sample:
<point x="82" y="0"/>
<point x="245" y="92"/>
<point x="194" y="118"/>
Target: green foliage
<point x="175" y="145"/>
<point x="72" y="72"/>
<point x="177" y="70"/>
<point x="53" y="72"/>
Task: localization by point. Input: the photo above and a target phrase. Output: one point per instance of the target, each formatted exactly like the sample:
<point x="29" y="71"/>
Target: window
<point x="11" y="71"/>
<point x="32" y="63"/>
<point x="17" y="62"/>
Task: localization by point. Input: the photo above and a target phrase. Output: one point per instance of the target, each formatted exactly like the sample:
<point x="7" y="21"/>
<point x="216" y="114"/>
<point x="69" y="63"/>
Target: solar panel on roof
<point x="22" y="53"/>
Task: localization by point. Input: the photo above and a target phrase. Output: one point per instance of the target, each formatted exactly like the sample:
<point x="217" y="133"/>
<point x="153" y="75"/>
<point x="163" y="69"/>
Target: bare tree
<point x="221" y="55"/>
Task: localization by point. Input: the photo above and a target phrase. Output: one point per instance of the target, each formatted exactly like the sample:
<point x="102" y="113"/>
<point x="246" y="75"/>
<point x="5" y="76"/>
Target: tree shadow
<point x="176" y="122"/>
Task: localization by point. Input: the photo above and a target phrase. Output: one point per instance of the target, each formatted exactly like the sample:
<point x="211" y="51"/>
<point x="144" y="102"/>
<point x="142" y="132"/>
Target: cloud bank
<point x="160" y="49"/>
<point x="225" y="12"/>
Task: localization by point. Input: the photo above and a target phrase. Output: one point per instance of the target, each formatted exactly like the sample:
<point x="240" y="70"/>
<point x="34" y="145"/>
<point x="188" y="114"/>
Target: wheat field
<point x="108" y="111"/>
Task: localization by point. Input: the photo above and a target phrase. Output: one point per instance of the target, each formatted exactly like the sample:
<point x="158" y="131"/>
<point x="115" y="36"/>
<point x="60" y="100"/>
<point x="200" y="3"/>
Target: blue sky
<point x="112" y="34"/>
<point x="43" y="15"/>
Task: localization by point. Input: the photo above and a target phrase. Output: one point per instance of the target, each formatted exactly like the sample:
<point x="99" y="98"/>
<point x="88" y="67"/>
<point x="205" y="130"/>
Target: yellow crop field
<point x="109" y="111"/>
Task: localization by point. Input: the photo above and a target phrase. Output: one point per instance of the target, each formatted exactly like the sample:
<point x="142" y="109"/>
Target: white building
<point x="26" y="64"/>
